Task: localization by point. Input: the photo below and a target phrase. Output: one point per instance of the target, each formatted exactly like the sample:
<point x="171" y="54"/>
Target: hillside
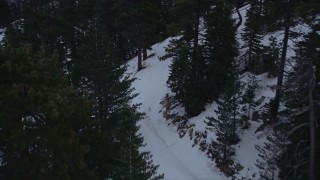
<point x="151" y="90"/>
<point x="177" y="157"/>
<point x="176" y="147"/>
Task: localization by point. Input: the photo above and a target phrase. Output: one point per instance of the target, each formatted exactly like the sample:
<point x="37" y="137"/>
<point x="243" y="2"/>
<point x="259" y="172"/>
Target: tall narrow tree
<point x="221" y="48"/>
<point x="252" y="36"/>
<point x="302" y="117"/>
<point x="113" y="121"/>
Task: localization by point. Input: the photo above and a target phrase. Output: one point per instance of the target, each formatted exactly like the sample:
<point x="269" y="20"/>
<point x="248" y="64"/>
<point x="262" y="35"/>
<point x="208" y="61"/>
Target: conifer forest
<point x="160" y="89"/>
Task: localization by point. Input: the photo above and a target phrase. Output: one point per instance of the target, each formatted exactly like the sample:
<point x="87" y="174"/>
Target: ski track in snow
<point x="167" y="151"/>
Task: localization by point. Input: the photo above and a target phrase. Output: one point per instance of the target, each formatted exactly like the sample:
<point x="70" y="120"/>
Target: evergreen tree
<point x="301" y="102"/>
<point x="198" y="60"/>
<point x="70" y="16"/>
<point x="248" y="98"/>
<point x="135" y="165"/>
<point x="39" y="26"/>
<point x="296" y="136"/>
<point x="39" y="23"/>
<point x="91" y="49"/>
<point x="4" y="14"/>
<point x="41" y="119"/>
<point x="113" y="122"/>
<point x="166" y="18"/>
<point x="270" y="57"/>
<point x="187" y="77"/>
<point x="252" y="36"/>
<point x="136" y="21"/>
<point x="269" y="155"/>
<point x="221" y="49"/>
<point x="226" y="126"/>
<point x="185" y="80"/>
<point x="275" y="17"/>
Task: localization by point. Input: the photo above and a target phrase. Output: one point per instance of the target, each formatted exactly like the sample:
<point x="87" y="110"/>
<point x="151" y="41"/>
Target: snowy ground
<point x="1" y="34"/>
<point x="177" y="157"/>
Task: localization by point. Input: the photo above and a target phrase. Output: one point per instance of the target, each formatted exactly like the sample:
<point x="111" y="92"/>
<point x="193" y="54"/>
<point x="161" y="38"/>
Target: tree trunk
<point x="26" y="171"/>
<point x="240" y="19"/>
<point x="139" y="59"/>
<point x="73" y="55"/>
<point x="145" y="54"/>
<point x="250" y="54"/>
<point x="276" y="102"/>
<point x="196" y="30"/>
<point x="312" y="156"/>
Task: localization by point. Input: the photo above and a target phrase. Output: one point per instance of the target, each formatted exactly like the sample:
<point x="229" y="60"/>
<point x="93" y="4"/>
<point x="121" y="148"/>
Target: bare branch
<point x="296" y="128"/>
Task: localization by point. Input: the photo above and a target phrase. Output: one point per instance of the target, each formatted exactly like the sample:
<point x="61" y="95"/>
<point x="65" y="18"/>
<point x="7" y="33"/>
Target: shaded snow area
<point x="181" y="158"/>
<point x="1" y="35"/>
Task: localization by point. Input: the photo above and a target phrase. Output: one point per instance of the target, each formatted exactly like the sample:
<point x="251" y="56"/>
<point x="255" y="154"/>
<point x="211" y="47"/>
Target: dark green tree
<point x="252" y="36"/>
<point x="5" y="14"/>
<point x="137" y="22"/>
<point x="166" y="18"/>
<point x="268" y="62"/>
<point x="275" y="19"/>
<point x="297" y="157"/>
<point x="114" y="144"/>
<point x="41" y="119"/>
<point x="198" y="59"/>
<point x="302" y="102"/>
<point x="221" y="49"/>
<point x="248" y="98"/>
<point x="91" y="52"/>
<point x="135" y="164"/>
<point x="186" y="78"/>
<point x="226" y="126"/>
<point x="45" y="25"/>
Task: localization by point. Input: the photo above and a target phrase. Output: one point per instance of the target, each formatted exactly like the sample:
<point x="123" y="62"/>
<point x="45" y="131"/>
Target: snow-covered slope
<point x="176" y="157"/>
<point x="181" y="158"/>
<point x="1" y="34"/>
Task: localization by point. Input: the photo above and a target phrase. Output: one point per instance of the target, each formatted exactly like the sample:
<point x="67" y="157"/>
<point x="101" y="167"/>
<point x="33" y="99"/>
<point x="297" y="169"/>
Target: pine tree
<point x="4" y="13"/>
<point x="227" y="126"/>
<point x="221" y="48"/>
<point x="91" y="50"/>
<point x="297" y="157"/>
<point x="69" y="18"/>
<point x="187" y="77"/>
<point x="166" y="18"/>
<point x="185" y="81"/>
<point x="41" y="119"/>
<point x="270" y="57"/>
<point x="248" y="98"/>
<point x="252" y="36"/>
<point x="269" y="155"/>
<point x="136" y="21"/>
<point x="39" y="23"/>
<point x="275" y="18"/>
<point x="301" y="112"/>
<point x="135" y="164"/>
<point x="198" y="60"/>
<point x="114" y="122"/>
